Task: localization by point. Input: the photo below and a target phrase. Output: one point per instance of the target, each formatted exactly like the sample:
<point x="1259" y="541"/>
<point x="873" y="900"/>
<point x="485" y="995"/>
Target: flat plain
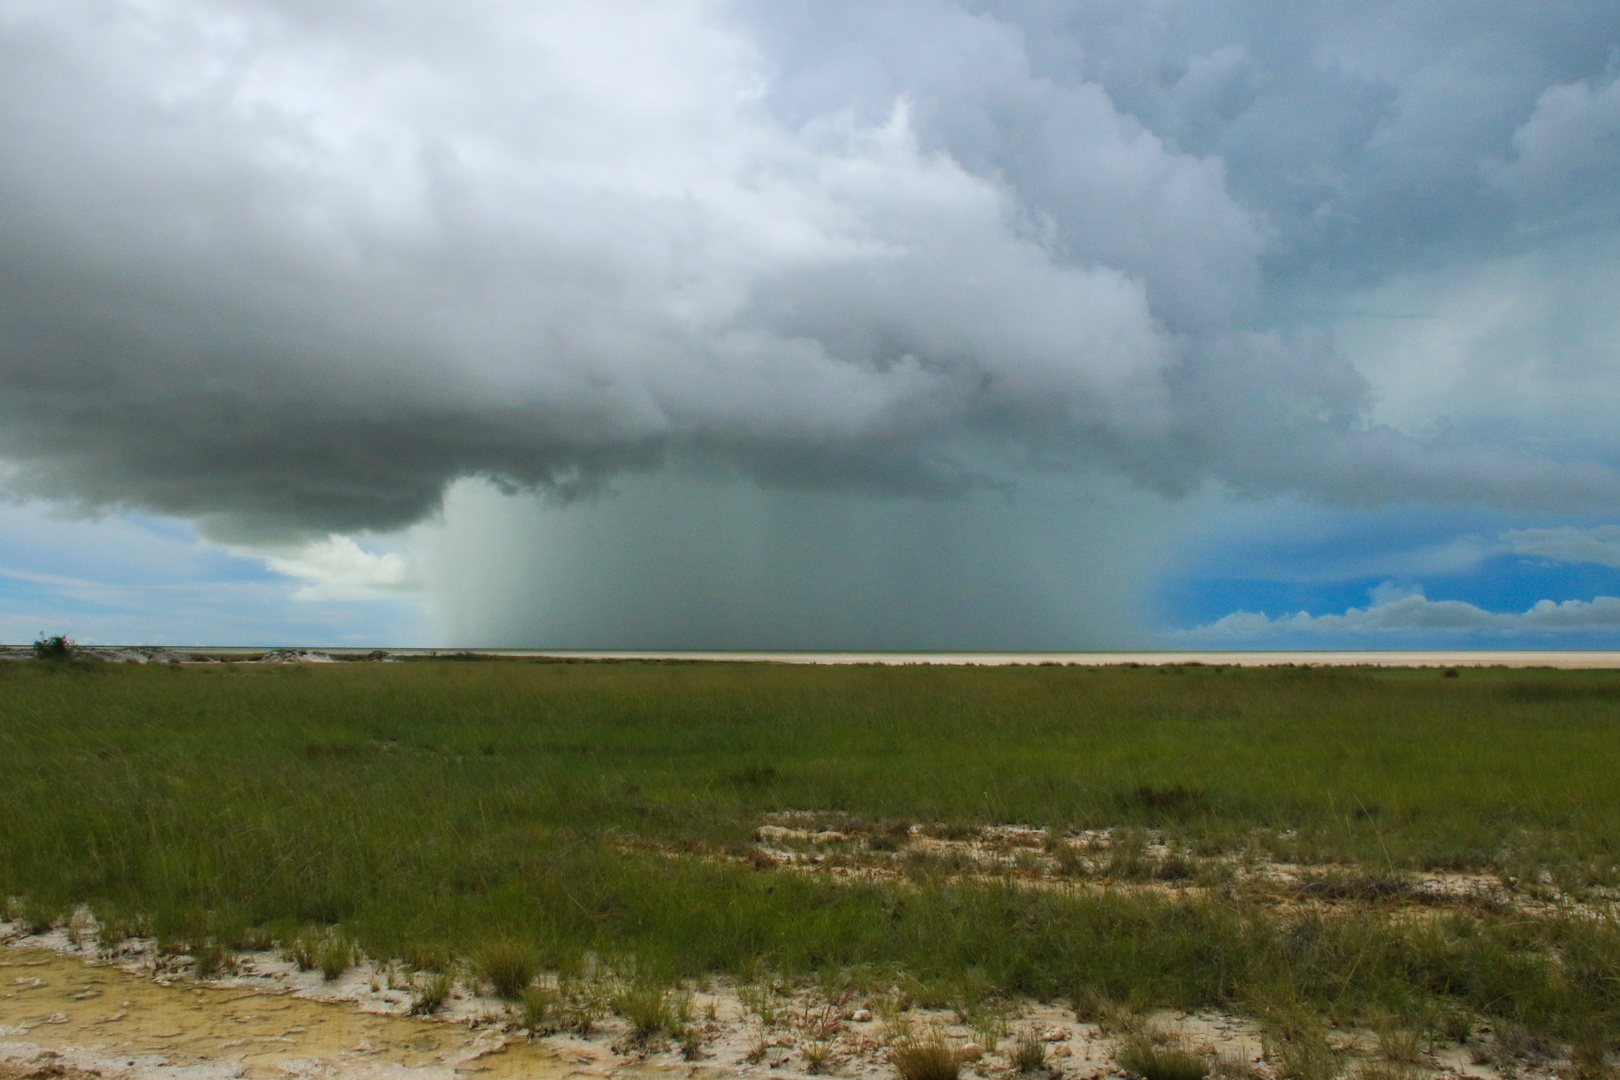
<point x="1427" y="854"/>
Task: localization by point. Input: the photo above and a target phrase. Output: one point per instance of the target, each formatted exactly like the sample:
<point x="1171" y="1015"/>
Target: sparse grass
<point x="421" y="810"/>
<point x="303" y="951"/>
<point x="761" y="1001"/>
<point x="212" y="958"/>
<point x="1029" y="1053"/>
<point x="925" y="1057"/>
<point x="1166" y="1059"/>
<point x="430" y="996"/>
<point x="540" y="1013"/>
<point x="990" y="1025"/>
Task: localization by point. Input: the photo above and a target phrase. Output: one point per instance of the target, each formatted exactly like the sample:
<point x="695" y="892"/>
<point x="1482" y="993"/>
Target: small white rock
<point x="861" y="1016"/>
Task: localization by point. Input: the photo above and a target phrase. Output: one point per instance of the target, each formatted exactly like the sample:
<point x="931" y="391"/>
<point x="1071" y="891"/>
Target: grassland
<point x="438" y="810"/>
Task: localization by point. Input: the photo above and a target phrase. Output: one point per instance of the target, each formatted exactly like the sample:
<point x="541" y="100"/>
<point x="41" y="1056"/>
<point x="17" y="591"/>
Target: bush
<point x="55" y="647"/>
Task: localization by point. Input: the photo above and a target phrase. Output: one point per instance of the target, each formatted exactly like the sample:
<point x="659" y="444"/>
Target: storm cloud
<point x="292" y="269"/>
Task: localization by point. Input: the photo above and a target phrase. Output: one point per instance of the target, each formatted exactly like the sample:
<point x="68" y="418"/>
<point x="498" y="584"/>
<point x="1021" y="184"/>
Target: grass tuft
<point x="649" y="1012"/>
<point x="817" y="1056"/>
<point x="1029" y="1053"/>
<point x="334" y="956"/>
<point x="926" y="1057"/>
<point x="509" y="968"/>
<point x="430" y="996"/>
<point x="1170" y="1059"/>
<point x="212" y="958"/>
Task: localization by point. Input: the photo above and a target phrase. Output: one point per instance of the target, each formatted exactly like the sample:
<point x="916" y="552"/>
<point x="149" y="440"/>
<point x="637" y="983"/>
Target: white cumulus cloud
<point x="338" y="568"/>
<point x="1397" y="611"/>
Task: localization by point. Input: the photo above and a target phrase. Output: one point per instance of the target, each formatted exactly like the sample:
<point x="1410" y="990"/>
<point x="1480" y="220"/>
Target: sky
<point x="900" y="324"/>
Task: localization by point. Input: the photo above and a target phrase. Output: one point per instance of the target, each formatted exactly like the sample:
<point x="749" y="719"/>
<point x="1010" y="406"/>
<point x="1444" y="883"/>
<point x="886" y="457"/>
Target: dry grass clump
<point x="1161" y="1059"/>
<point x="926" y="1057"/>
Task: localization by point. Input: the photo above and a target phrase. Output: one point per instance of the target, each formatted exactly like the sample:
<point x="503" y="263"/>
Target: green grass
<point x="440" y="810"/>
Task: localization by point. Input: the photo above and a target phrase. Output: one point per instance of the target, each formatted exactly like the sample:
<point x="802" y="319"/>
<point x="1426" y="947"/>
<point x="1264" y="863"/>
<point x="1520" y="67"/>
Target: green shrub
<point x="55" y="647"/>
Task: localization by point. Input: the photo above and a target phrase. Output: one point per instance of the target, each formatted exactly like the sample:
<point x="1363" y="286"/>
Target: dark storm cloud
<point x="284" y="267"/>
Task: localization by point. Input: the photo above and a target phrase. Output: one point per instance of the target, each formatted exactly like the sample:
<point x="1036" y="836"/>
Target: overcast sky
<point x="892" y="324"/>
